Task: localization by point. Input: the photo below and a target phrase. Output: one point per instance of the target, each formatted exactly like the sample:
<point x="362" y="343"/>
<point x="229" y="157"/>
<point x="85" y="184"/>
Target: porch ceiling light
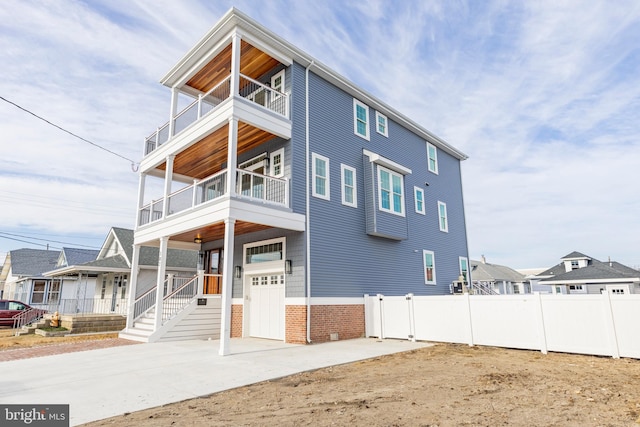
<point x="197" y="240"/>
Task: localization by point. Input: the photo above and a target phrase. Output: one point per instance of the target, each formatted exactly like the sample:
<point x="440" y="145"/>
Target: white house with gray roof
<point x="102" y="282"/>
<point x="578" y="273"/>
<point x="497" y="279"/>
<point x="24" y="279"/>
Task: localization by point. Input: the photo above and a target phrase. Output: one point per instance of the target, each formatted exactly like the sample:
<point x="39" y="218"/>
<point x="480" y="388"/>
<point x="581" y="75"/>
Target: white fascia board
<point x="390" y="164"/>
<point x="175" y="244"/>
<point x="75" y="269"/>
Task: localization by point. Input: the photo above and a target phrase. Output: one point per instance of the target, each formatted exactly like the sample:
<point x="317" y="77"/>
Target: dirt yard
<point x="443" y="385"/>
<point x="8" y="341"/>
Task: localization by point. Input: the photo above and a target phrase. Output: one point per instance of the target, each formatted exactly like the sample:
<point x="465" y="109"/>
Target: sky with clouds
<point x="543" y="96"/>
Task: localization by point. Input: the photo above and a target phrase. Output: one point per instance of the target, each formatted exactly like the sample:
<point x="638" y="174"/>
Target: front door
<point x="267" y="305"/>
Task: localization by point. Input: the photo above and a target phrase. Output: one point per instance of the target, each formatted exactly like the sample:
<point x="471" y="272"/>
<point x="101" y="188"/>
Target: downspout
<point x="307" y="201"/>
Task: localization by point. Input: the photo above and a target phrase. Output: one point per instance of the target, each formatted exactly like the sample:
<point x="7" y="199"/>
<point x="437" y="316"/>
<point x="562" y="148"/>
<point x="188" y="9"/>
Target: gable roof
<point x="595" y="271"/>
<point x="32" y="262"/>
<point x="575" y="255"/>
<point x="486" y="272"/>
<point x="75" y="256"/>
<point x="252" y="31"/>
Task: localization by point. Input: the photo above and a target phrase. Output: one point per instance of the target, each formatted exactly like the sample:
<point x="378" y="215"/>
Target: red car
<point x="10" y="309"/>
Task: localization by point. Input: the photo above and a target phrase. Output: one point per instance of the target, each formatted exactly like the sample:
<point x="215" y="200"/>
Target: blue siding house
<point x="301" y="192"/>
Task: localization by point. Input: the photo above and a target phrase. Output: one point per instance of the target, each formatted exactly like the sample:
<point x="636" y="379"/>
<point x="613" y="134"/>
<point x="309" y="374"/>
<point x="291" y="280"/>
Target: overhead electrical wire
<point x="134" y="165"/>
<point x="5" y="234"/>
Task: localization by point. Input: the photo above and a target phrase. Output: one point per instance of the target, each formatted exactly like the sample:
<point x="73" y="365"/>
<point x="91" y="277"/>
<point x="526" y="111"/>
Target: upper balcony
<point x="235" y="71"/>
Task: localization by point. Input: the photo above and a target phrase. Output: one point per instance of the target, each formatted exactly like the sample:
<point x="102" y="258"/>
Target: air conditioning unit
<point x="457" y="288"/>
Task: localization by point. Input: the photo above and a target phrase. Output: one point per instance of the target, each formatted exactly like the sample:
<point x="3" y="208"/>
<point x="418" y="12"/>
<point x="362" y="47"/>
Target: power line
<point x="31" y="243"/>
<point x="44" y="240"/>
<point x="133" y="163"/>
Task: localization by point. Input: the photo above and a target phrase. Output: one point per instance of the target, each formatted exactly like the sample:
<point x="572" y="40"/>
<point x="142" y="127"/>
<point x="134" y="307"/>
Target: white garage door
<point x="266" y="309"/>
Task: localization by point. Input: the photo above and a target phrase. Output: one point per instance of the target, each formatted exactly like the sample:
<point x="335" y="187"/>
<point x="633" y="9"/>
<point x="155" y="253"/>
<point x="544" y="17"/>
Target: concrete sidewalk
<point x="103" y="383"/>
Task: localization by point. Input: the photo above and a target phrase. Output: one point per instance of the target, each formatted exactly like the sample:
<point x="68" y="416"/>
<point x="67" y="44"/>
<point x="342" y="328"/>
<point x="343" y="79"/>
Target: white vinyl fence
<point x="604" y="325"/>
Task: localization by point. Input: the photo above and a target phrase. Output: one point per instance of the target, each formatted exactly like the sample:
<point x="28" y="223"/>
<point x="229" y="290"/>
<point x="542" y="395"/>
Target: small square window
<point x="382" y="124"/>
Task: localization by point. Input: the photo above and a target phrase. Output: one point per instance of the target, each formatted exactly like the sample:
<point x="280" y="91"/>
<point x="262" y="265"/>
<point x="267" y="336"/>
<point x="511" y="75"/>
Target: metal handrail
<point x="26" y="317"/>
<point x="177" y="300"/>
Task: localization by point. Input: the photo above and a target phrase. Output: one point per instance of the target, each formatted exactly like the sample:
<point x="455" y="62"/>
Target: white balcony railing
<point x="249" y="185"/>
<point x="250" y="89"/>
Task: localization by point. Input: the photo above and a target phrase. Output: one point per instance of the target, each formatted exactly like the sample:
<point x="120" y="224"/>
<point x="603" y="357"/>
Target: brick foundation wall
<point x="345" y="320"/>
<point x="93" y="323"/>
<point x="236" y="321"/>
<point x="295" y="324"/>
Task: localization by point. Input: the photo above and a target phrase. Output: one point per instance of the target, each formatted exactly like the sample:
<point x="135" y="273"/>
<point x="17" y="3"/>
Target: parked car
<point x="10" y="309"/>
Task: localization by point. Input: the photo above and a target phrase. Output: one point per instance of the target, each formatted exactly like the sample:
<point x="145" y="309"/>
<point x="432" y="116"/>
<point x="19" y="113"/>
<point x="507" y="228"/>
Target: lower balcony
<point x="250" y="186"/>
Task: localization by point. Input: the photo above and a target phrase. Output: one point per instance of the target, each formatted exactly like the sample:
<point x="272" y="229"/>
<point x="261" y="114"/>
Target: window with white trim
<point x="277" y="82"/>
<point x="442" y="217"/>
<point x="418" y="194"/>
<point x="464" y="268"/>
<point x="277" y="163"/>
<point x="348" y="184"/>
<point x="360" y="119"/>
<point x="432" y="158"/>
<point x="429" y="264"/>
<point x="320" y="172"/>
<point x="390" y="191"/>
<point x="382" y="124"/>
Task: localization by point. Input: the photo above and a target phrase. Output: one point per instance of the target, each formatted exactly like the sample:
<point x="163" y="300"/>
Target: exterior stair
<point x="142" y="328"/>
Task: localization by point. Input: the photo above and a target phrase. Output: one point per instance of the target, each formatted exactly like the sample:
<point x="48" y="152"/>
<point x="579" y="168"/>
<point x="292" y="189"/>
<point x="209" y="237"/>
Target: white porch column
<point x="168" y="178"/>
<point x="133" y="283"/>
<point x="141" y="186"/>
<point x="174" y="108"/>
<point x="227" y="286"/>
<point x="235" y="65"/>
<point x="162" y="268"/>
<point x="232" y="158"/>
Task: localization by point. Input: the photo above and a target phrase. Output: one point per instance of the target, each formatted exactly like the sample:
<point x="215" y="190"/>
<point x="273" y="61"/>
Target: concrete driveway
<point x="103" y="383"/>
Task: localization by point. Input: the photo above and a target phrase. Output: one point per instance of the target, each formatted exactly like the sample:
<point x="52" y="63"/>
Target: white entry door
<point x="266" y="309"/>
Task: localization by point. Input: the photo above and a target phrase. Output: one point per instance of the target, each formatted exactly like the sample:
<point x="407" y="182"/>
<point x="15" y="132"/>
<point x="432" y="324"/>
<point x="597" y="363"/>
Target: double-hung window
<point x="418" y="194"/>
<point x="442" y="216"/>
<point x="360" y="119"/>
<point x="348" y="184"/>
<point x="464" y="268"/>
<point x="432" y="158"/>
<point x="390" y="191"/>
<point x="382" y="124"/>
<point x="320" y="171"/>
<point x="429" y="264"/>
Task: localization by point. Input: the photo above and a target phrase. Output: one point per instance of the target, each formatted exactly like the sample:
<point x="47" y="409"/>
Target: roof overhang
<point x="77" y="269"/>
<point x="286" y="53"/>
<point x="590" y="281"/>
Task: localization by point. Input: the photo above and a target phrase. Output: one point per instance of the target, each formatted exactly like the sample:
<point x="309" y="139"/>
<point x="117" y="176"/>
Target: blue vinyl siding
<point x="346" y="261"/>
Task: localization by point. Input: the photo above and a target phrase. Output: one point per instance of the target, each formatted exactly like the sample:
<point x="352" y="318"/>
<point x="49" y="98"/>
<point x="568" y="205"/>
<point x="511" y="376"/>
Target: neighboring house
<point x="581" y="274"/>
<point x="302" y="191"/>
<point x="102" y="281"/>
<point x="24" y="280"/>
<point x="489" y="278"/>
